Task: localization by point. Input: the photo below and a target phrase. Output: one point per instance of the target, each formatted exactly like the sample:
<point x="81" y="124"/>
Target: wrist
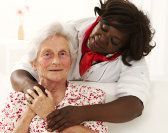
<point x="85" y="111"/>
<point x="92" y="112"/>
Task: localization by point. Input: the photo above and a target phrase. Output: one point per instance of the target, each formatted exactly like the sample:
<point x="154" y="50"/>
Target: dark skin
<point x="104" y="39"/>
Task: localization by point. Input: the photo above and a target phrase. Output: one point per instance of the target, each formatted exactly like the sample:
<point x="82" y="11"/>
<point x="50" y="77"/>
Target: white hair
<point x="55" y="28"/>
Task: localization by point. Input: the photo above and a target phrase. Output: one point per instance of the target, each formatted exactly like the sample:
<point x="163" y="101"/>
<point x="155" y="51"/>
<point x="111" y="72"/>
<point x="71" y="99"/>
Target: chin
<point x="56" y="79"/>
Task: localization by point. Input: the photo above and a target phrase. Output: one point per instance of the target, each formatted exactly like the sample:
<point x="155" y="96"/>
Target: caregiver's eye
<point x="113" y="42"/>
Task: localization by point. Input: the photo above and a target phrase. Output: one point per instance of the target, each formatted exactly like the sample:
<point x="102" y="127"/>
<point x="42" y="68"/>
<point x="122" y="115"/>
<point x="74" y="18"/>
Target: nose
<point x="56" y="60"/>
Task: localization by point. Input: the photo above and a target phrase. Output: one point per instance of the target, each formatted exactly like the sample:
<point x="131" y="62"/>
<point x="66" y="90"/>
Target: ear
<point x="33" y="64"/>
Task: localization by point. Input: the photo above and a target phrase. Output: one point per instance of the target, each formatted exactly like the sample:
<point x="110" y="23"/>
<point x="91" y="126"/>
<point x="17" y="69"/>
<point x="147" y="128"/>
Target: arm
<point x="121" y="110"/>
<point x="23" y="123"/>
<point x="22" y="80"/>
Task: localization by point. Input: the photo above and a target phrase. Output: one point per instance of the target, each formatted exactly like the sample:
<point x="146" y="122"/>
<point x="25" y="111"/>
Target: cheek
<point x="42" y="65"/>
<point x="44" y="62"/>
<point x="67" y="63"/>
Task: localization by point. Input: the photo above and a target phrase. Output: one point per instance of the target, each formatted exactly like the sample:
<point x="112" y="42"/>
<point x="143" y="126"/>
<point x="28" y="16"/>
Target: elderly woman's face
<point x="53" y="61"/>
<point x="106" y="39"/>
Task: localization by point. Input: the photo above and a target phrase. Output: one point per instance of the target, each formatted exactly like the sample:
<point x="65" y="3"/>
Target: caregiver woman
<point x="112" y="48"/>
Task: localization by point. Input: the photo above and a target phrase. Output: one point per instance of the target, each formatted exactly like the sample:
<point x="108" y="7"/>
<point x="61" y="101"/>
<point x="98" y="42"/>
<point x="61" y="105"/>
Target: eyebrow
<point x="49" y="50"/>
<point x="45" y="50"/>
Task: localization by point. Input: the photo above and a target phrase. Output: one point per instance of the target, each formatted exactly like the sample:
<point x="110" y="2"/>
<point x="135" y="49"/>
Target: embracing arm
<point x="121" y="110"/>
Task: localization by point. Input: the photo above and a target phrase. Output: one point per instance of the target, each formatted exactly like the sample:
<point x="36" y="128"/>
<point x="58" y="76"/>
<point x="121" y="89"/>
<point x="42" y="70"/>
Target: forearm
<point x="121" y="110"/>
<point x="23" y="123"/>
<point x="21" y="80"/>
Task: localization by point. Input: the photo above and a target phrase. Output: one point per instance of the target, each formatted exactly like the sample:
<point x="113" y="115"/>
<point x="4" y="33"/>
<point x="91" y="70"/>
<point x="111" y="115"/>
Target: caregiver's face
<point x="53" y="60"/>
<point x="106" y="39"/>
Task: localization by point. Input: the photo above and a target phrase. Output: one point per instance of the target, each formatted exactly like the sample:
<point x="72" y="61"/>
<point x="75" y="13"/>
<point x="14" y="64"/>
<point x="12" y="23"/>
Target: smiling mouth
<point x="55" y="70"/>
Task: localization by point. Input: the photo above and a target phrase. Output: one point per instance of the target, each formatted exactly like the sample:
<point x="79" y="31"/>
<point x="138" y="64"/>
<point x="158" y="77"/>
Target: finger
<point x="48" y="93"/>
<point x="59" y="125"/>
<point x="27" y="104"/>
<point x="29" y="99"/>
<point x="39" y="91"/>
<point x="42" y="88"/>
<point x="54" y="121"/>
<point x="32" y="93"/>
<point x="63" y="127"/>
<point x="53" y="114"/>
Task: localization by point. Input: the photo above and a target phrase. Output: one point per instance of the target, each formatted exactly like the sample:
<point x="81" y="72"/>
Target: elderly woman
<point x="51" y="56"/>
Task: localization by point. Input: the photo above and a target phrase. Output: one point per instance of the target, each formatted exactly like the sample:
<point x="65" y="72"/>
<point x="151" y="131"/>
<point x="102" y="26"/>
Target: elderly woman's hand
<point x="41" y="104"/>
<point x="66" y="117"/>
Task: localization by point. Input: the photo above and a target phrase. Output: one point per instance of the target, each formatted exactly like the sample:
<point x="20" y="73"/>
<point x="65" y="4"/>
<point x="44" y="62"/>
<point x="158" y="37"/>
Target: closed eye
<point x="113" y="42"/>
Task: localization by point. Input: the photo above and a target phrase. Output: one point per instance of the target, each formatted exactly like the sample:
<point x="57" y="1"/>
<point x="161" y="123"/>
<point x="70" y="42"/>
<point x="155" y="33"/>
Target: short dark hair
<point x="129" y="20"/>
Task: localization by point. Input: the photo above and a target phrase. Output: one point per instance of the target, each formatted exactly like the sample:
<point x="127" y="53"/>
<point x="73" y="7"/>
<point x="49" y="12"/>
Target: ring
<point x="30" y="101"/>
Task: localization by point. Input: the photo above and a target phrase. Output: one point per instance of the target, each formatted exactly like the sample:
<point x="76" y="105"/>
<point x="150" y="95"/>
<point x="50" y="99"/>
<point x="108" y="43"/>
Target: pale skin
<point x="53" y="63"/>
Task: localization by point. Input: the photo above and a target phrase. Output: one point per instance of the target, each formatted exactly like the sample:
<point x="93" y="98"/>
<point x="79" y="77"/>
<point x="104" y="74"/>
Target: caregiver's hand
<point x="66" y="117"/>
<point x="41" y="104"/>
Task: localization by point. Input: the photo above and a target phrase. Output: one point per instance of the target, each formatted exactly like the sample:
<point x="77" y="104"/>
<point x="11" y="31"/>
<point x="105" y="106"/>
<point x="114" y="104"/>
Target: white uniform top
<point x="128" y="80"/>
